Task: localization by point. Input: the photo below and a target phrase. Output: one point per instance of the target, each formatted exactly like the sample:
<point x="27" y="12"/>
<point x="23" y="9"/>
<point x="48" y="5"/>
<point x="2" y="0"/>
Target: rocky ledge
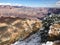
<point x="51" y="29"/>
<point x="54" y="32"/>
<point x="13" y="29"/>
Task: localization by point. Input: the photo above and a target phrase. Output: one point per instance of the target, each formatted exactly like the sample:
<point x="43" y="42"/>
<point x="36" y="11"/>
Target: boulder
<point x="54" y="32"/>
<point x="56" y="42"/>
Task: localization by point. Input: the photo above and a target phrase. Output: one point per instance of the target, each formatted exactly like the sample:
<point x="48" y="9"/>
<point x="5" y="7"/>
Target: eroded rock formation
<point x="12" y="29"/>
<point x="54" y="32"/>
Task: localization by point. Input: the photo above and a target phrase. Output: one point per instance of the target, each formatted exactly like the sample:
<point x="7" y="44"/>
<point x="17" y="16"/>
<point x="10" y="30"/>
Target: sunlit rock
<point x="54" y="32"/>
<point x="13" y="29"/>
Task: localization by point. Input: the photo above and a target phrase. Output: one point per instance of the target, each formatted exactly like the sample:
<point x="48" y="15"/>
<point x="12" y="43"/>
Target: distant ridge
<point x="26" y="12"/>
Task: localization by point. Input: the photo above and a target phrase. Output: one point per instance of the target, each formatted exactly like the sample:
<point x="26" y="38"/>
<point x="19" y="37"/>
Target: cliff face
<point x="22" y="11"/>
<point x="12" y="29"/>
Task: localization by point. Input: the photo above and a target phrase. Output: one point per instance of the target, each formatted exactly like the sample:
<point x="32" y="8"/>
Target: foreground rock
<point x="56" y="42"/>
<point x="54" y="32"/>
<point x="12" y="29"/>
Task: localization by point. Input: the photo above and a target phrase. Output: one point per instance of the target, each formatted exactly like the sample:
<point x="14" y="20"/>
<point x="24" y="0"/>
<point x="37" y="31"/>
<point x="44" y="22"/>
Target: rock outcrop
<point x="54" y="32"/>
<point x="12" y="29"/>
<point x="56" y="42"/>
<point x="51" y="28"/>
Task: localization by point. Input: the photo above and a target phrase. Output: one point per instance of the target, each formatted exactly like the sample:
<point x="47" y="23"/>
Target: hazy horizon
<point x="32" y="3"/>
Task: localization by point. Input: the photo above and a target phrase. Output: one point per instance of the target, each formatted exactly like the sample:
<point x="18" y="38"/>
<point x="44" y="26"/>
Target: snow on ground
<point x="48" y="43"/>
<point x="32" y="40"/>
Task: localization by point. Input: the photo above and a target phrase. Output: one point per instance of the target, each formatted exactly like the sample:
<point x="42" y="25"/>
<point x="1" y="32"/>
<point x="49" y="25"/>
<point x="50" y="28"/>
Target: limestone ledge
<point x="13" y="29"/>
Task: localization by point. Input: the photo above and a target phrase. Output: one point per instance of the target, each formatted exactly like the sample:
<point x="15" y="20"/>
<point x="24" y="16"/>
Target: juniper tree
<point x="47" y="21"/>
